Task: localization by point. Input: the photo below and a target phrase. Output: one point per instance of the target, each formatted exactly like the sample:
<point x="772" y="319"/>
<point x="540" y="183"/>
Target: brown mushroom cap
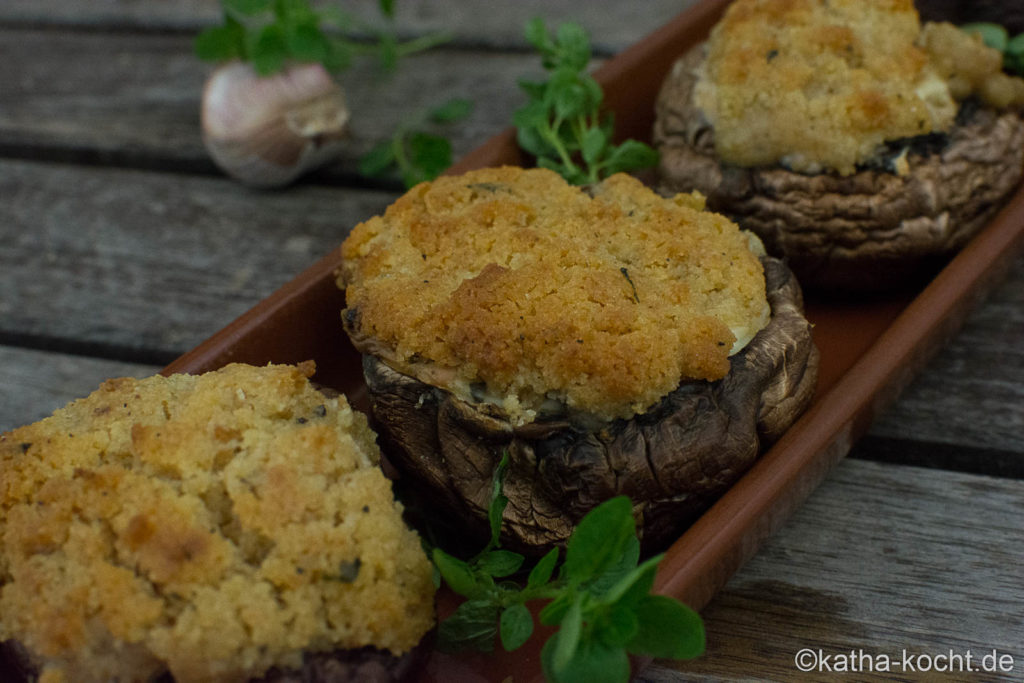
<point x="673" y="461"/>
<point x="868" y="231"/>
<point x="360" y="665"/>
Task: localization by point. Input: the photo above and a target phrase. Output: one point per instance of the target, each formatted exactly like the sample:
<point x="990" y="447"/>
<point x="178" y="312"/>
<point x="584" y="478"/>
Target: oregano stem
<point x="549" y="133"/>
<point x="422" y="43"/>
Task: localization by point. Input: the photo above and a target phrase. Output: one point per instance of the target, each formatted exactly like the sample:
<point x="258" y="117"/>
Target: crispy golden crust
<point x="819" y="85"/>
<point x="216" y="525"/>
<point x="515" y="280"/>
<point x="969" y="66"/>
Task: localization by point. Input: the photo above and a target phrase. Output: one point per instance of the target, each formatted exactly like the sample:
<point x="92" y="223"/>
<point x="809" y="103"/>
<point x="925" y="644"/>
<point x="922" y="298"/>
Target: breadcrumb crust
<point x="511" y="285"/>
<point x="819" y="85"/>
<point x="217" y="525"/>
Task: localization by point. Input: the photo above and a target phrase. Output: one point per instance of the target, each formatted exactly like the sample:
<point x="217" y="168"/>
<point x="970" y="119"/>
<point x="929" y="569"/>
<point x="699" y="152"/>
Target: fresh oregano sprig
<point x="996" y="36"/>
<point x="563" y="124"/>
<point x="416" y="153"/>
<point x="271" y="33"/>
<point x="600" y="599"/>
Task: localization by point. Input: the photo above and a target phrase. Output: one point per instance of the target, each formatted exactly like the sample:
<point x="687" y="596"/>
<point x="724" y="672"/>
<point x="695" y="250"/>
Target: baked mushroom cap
<point x="360" y="665"/>
<point x="511" y="286"/>
<point x="673" y="460"/>
<point x="211" y="526"/>
<point x="872" y="230"/>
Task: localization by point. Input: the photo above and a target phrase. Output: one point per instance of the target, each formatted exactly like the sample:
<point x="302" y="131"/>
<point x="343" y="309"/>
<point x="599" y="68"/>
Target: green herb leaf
<point x="542" y="571"/>
<point x="618" y="626"/>
<point x="388" y="52"/>
<point x="515" y="627"/>
<point x="457" y="574"/>
<point x="307" y="43"/>
<point x="420" y="155"/>
<point x="601" y="601"/>
<point x="498" y="500"/>
<point x="537" y="35"/>
<point x="533" y="90"/>
<point x="627" y="582"/>
<point x="269" y="51"/>
<point x="336" y="17"/>
<point x="629" y="156"/>
<point x="593" y="661"/>
<point x="571" y="173"/>
<point x="272" y="32"/>
<point x="531" y="124"/>
<point x="451" y="111"/>
<point x="221" y="43"/>
<point x="1015" y="46"/>
<point x="569" y="97"/>
<point x="472" y="625"/>
<point x="295" y="12"/>
<point x="993" y="35"/>
<point x="562" y="124"/>
<point x="667" y="628"/>
<point x="600" y="540"/>
<point x="1013" y="58"/>
<point x="573" y="46"/>
<point x="339" y="55"/>
<point x="430" y="155"/>
<point x="377" y="160"/>
<point x="568" y="636"/>
<point x="499" y="563"/>
<point x="594" y="142"/>
<point x="554" y="611"/>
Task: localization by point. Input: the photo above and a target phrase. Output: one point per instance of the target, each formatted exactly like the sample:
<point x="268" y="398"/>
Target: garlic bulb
<point x="266" y="131"/>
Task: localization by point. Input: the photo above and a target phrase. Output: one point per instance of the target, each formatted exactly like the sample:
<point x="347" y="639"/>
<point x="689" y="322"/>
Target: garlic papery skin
<point x="266" y="131"/>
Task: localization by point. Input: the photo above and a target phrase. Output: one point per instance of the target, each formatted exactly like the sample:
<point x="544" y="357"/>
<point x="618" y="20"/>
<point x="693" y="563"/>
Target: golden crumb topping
<point x="819" y="84"/>
<point x="513" y="287"/>
<point x="969" y="66"/>
<point x="213" y="525"/>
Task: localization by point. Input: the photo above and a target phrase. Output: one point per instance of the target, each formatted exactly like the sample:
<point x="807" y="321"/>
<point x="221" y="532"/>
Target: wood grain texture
<point x="133" y="100"/>
<point x="151" y="261"/>
<point x="980" y="372"/>
<point x="481" y="24"/>
<point x="880" y="558"/>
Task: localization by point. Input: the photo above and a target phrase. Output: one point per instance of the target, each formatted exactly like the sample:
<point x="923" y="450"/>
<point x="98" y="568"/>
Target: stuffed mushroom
<point x="862" y="148"/>
<point x="231" y="526"/>
<point x="609" y="340"/>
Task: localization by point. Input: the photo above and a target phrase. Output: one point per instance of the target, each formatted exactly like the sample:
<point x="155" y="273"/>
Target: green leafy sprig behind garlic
<point x="415" y="153"/>
<point x="273" y="109"/>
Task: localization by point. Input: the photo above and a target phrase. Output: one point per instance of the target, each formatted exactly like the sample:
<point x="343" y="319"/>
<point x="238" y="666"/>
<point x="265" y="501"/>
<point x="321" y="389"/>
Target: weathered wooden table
<point x="121" y="246"/>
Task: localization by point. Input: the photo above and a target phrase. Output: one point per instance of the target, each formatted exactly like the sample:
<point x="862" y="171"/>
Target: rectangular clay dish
<point x="869" y="352"/>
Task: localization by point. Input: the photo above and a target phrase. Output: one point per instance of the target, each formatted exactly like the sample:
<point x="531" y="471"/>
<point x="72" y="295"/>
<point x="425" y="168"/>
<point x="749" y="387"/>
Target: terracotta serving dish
<point x="869" y="352"/>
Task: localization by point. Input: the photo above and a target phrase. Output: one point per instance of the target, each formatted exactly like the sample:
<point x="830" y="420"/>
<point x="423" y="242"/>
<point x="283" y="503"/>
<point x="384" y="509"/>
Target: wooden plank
<point x="142" y="108"/>
<point x="880" y="559"/>
<point x="35" y="383"/>
<point x="613" y="25"/>
<point x="152" y="263"/>
<point x="983" y="366"/>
